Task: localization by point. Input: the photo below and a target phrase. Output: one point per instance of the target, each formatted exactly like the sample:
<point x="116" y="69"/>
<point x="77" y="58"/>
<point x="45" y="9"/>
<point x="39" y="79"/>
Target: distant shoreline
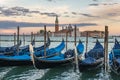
<point x="50" y="36"/>
<point x="54" y="41"/>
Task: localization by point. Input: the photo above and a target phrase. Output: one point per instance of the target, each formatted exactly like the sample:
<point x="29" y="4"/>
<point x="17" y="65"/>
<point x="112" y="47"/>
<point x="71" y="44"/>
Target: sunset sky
<point x="32" y="15"/>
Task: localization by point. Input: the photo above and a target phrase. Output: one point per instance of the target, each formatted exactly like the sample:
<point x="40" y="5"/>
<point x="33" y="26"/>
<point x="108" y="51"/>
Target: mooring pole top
<point x="106" y="27"/>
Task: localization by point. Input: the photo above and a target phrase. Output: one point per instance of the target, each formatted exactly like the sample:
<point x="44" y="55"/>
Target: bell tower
<point x="56" y="24"/>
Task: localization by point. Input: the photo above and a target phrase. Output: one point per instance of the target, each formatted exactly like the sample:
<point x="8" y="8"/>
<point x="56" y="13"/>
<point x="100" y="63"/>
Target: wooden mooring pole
<point x="86" y="42"/>
<point x="48" y="35"/>
<point x="75" y="51"/>
<point x="75" y="35"/>
<point x="14" y="39"/>
<point x="44" y="40"/>
<point x="18" y="32"/>
<point x="66" y="39"/>
<point x="0" y="40"/>
<point x="34" y="38"/>
<point x="106" y="49"/>
<point x="31" y="37"/>
<point x="23" y="39"/>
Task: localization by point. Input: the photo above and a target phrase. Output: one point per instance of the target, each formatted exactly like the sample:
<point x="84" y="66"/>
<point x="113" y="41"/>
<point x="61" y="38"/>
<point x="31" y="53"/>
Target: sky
<point x="32" y="15"/>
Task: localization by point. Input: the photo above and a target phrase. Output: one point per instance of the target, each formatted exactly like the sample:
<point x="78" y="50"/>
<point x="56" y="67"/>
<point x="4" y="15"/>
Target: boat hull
<point x="114" y="58"/>
<point x="6" y="62"/>
<point x="44" y="64"/>
<point x="115" y="67"/>
<point x="25" y="59"/>
<point x="90" y="66"/>
<point x="56" y="61"/>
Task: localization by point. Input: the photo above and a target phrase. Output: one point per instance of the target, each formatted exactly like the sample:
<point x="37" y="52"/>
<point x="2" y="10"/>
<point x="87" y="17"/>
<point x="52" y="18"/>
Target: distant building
<point x="69" y="30"/>
<point x="56" y="24"/>
<point x="95" y="33"/>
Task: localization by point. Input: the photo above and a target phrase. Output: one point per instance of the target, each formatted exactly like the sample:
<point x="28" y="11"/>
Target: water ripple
<point x="4" y="71"/>
<point x="29" y="75"/>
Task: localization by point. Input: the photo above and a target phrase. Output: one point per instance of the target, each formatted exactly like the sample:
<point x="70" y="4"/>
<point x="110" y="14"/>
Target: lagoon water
<point x="59" y="73"/>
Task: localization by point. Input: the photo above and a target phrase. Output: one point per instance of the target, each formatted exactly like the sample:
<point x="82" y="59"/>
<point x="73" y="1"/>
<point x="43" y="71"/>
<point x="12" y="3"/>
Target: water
<point x="59" y="73"/>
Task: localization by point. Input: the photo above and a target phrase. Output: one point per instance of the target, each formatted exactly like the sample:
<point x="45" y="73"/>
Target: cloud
<point x="49" y="0"/>
<point x="65" y="12"/>
<point x="106" y="11"/>
<point x="93" y="4"/>
<point x="14" y="24"/>
<point x="21" y="11"/>
<point x="86" y="24"/>
<point x="99" y="4"/>
<point x="66" y="16"/>
<point x="95" y="0"/>
<point x="108" y="4"/>
<point x="16" y="11"/>
<point x="87" y="15"/>
<point x="74" y="13"/>
<point x="81" y="24"/>
<point x="49" y="14"/>
<point x="83" y="14"/>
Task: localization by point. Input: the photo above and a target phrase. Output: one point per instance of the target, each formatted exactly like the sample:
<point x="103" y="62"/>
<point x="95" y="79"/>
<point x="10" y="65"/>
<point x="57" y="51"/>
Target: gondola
<point x="24" y="49"/>
<point x="56" y="61"/>
<point x="9" y="49"/>
<point x="93" y="58"/>
<point x="25" y="59"/>
<point x="114" y="58"/>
